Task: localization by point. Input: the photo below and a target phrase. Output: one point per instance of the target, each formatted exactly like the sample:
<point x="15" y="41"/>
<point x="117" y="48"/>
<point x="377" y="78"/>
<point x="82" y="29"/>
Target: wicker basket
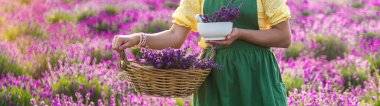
<point x="173" y="83"/>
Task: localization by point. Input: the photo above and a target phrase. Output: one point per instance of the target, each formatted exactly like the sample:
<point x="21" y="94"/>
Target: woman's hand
<point x="278" y="35"/>
<point x="174" y="37"/>
<point x="121" y="42"/>
<point x="229" y="39"/>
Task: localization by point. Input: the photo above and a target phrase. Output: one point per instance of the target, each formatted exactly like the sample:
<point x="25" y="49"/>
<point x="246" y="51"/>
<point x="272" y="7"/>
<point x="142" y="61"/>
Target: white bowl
<point x="215" y="30"/>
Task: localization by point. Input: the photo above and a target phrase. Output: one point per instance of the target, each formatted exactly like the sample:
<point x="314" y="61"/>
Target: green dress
<point x="250" y="75"/>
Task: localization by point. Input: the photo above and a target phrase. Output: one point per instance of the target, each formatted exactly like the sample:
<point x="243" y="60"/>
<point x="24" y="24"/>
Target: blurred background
<point x="58" y="52"/>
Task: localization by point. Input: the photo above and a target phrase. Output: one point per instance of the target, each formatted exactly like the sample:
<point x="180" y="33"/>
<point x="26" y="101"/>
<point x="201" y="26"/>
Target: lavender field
<point x="58" y="52"/>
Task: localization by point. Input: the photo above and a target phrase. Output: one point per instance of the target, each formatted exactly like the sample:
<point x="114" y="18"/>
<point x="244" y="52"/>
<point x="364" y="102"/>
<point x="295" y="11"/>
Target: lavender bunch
<point x="225" y="14"/>
<point x="173" y="59"/>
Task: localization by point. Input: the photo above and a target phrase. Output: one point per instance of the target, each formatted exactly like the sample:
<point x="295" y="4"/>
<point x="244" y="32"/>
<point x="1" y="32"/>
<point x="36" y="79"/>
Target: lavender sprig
<point x="174" y="59"/>
<point x="225" y="14"/>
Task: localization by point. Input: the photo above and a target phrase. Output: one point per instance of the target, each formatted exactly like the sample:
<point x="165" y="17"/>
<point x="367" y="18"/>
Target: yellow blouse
<point x="270" y="12"/>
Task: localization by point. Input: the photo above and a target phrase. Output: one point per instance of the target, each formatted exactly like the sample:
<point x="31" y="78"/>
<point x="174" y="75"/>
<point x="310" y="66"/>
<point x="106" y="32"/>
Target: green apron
<point x="250" y="75"/>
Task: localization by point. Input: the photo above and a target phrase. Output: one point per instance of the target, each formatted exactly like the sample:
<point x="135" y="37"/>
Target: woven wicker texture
<point x="163" y="82"/>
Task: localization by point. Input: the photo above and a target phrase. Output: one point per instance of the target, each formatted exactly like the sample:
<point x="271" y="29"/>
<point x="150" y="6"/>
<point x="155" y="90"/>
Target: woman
<point x="250" y="74"/>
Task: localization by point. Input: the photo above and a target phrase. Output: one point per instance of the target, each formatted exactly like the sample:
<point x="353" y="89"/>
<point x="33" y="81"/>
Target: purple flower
<point x="224" y="14"/>
<point x="171" y="58"/>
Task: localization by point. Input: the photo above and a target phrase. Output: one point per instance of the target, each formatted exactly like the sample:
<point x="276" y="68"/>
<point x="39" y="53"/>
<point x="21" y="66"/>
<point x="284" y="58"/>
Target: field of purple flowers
<point x="58" y="52"/>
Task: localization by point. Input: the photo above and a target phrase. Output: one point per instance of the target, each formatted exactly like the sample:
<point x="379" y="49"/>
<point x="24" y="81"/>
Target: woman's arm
<point x="278" y="36"/>
<point x="174" y="37"/>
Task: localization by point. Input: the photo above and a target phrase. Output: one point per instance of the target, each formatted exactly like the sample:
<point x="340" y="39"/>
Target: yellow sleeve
<point x="276" y="11"/>
<point x="184" y="15"/>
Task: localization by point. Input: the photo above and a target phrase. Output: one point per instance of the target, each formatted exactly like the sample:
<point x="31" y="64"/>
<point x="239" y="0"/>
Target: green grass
<point x="1" y="21"/>
<point x="7" y="65"/>
<point x="152" y="8"/>
<point x="15" y="96"/>
<point x="292" y="82"/>
<point x="24" y="29"/>
<point x="376" y="8"/>
<point x="306" y="12"/>
<point x="84" y="15"/>
<point x="136" y="52"/>
<point x="357" y="5"/>
<point x="67" y="1"/>
<point x="44" y="63"/>
<point x="182" y="101"/>
<point x="375" y="63"/>
<point x="331" y="47"/>
<point x="153" y="26"/>
<point x="25" y="1"/>
<point x="294" y="51"/>
<point x="71" y="1"/>
<point x="357" y="18"/>
<point x="371" y="35"/>
<point x="170" y="4"/>
<point x="105" y="26"/>
<point x="11" y="33"/>
<point x="59" y="16"/>
<point x="368" y="98"/>
<point x="111" y="10"/>
<point x="353" y="76"/>
<point x="69" y="85"/>
<point x="100" y="55"/>
<point x="179" y="102"/>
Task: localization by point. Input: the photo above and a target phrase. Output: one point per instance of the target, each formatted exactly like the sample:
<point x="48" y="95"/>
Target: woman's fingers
<point x="121" y="42"/>
<point x="229" y="39"/>
<point x="125" y="45"/>
<point x="233" y="34"/>
<point x="114" y="43"/>
<point x="117" y="42"/>
<point x="220" y="42"/>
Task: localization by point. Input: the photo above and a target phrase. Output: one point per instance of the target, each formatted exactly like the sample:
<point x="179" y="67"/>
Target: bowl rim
<point x="216" y="22"/>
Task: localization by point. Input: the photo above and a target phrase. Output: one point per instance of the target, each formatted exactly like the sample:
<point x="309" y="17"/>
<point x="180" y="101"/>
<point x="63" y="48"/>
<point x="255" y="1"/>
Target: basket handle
<point x="123" y="60"/>
<point x="204" y="52"/>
